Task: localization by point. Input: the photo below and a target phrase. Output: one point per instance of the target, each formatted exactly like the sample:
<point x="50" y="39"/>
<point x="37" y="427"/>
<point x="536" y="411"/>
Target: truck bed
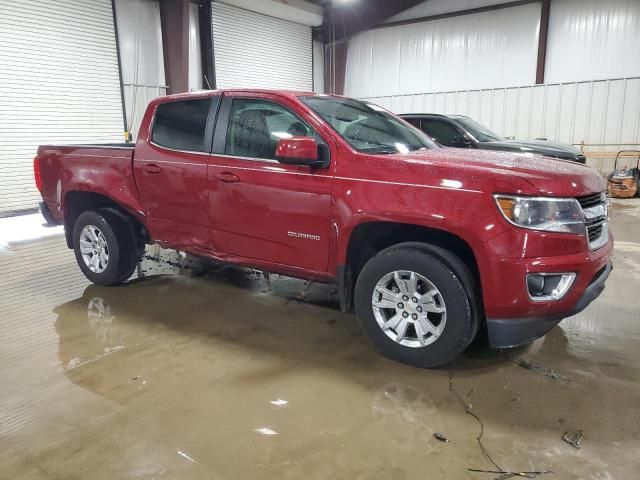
<point x="92" y="145"/>
<point x="104" y="169"/>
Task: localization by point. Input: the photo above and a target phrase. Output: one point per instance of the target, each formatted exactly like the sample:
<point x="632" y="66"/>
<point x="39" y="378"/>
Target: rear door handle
<point x="151" y="168"/>
<point x="227" y="177"/>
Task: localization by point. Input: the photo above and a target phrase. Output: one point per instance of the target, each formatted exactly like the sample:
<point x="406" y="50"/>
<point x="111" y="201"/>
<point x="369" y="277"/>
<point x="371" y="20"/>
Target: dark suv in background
<point x="463" y="132"/>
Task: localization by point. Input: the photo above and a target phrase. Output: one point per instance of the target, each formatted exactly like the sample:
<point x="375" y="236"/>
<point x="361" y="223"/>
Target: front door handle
<point x="227" y="177"/>
<point x="151" y="168"/>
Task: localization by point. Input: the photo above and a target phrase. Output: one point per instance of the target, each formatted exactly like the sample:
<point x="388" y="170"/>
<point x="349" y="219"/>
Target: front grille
<point x="594" y="231"/>
<point x="594" y="208"/>
<point x="590" y="200"/>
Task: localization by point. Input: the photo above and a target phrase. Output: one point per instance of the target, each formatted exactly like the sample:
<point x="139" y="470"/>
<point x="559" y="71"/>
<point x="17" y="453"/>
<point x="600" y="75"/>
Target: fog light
<point x="545" y="287"/>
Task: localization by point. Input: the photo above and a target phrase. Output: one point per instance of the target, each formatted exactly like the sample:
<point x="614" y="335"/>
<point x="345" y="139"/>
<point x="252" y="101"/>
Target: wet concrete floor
<point x="184" y="375"/>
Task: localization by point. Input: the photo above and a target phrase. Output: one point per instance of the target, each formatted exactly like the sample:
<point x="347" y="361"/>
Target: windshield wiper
<point x="383" y="149"/>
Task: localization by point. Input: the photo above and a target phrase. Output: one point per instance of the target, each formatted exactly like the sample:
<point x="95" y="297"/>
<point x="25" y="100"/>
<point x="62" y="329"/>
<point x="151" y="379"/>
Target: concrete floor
<point x="186" y="376"/>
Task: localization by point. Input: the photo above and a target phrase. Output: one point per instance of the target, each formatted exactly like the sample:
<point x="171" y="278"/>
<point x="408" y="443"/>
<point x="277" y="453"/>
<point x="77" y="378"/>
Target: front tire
<point x="104" y="246"/>
<point x="416" y="304"/>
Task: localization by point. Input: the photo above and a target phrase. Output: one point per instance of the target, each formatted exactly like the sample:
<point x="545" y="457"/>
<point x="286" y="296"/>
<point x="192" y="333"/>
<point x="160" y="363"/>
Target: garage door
<point x="258" y="51"/>
<point x="59" y="83"/>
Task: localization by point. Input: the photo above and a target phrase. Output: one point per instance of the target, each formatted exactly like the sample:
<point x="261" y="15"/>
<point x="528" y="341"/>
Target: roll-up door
<point x="59" y="83"/>
<point x="253" y="50"/>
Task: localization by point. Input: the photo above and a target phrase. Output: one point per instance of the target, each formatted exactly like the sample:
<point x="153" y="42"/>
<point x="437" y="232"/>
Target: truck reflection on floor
<point x="226" y="306"/>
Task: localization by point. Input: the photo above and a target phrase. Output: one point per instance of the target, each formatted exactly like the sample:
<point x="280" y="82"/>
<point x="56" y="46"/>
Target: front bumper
<point x="513" y="332"/>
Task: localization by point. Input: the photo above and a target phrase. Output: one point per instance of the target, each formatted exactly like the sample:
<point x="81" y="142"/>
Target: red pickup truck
<point x="428" y="244"/>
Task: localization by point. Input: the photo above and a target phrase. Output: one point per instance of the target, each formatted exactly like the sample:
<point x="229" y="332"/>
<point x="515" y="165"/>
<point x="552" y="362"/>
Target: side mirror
<point x="299" y="151"/>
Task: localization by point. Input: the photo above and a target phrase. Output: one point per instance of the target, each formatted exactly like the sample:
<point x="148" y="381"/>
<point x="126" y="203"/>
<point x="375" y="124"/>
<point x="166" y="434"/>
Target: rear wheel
<point x="416" y="305"/>
<point x="104" y="246"/>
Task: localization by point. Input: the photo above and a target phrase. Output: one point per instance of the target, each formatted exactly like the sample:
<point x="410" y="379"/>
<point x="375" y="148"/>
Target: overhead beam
<point x="542" y="41"/>
<point x="349" y="18"/>
<point x="459" y="13"/>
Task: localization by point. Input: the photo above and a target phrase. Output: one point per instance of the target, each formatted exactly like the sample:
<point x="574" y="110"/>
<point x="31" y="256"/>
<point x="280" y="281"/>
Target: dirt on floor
<point x="203" y="371"/>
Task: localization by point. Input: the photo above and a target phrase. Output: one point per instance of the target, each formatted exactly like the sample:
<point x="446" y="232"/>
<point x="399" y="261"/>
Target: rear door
<point x="171" y="171"/>
<point x="262" y="209"/>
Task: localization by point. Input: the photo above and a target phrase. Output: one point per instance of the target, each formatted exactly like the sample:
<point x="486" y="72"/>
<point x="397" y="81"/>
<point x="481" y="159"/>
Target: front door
<point x="262" y="209"/>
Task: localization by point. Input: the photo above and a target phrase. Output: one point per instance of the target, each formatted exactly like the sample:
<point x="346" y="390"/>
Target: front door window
<point x="255" y="126"/>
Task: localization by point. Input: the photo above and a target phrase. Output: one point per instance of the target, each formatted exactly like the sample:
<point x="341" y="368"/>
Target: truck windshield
<point x="479" y="132"/>
<point x="367" y="127"/>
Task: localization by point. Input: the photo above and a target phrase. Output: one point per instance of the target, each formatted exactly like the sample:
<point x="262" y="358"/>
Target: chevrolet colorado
<point x="428" y="244"/>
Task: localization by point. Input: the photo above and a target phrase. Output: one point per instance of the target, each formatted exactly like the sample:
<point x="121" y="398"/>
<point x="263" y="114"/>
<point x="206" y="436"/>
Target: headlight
<point x="538" y="213"/>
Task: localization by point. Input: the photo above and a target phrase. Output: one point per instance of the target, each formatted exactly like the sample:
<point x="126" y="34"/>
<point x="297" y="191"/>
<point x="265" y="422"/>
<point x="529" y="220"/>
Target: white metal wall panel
<point x="482" y="50"/>
<point x="141" y="54"/>
<point x="252" y="50"/>
<point x="59" y="83"/>
<point x="195" y="52"/>
<point x="599" y="112"/>
<point x="297" y="11"/>
<point x="593" y="39"/>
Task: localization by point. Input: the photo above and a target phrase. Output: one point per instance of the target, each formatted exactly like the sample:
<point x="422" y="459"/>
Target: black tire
<point x="120" y="241"/>
<point x="134" y="250"/>
<point x="457" y="287"/>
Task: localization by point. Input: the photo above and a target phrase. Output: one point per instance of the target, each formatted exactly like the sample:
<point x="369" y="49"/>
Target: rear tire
<point x="104" y="246"/>
<point x="417" y="304"/>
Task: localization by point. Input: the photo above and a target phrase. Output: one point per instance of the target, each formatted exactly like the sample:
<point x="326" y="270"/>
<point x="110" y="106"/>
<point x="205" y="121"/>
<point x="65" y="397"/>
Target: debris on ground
<point x="305" y="290"/>
<point x="441" y="437"/>
<point x="467" y="410"/>
<point x="573" y="437"/>
<point x="542" y="370"/>
<point x="501" y="472"/>
<point x="267" y="277"/>
<point x="504" y="475"/>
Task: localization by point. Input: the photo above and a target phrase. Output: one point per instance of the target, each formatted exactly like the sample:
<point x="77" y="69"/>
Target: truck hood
<point x="501" y="171"/>
<point x="541" y="147"/>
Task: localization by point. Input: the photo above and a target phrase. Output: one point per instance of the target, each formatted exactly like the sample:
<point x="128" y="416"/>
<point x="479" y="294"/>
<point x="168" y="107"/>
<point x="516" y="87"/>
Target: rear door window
<point x="181" y="125"/>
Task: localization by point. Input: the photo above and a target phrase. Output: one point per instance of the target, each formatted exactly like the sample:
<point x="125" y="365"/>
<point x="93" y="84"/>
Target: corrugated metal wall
<point x="598" y="112"/>
<point x="592" y="39"/>
<point x="258" y="51"/>
<point x="482" y="50"/>
<point x="483" y="65"/>
<point x="59" y="83"/>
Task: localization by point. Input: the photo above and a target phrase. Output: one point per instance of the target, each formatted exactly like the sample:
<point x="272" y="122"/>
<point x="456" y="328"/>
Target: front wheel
<point x="416" y="305"/>
<point x="104" y="246"/>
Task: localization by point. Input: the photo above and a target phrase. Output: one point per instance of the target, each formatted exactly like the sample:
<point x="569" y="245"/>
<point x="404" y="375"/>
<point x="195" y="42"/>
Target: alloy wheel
<point x="409" y="308"/>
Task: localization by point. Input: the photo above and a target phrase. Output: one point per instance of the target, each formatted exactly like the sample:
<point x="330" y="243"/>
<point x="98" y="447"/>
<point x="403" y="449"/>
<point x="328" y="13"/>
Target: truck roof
<point x="209" y="93"/>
